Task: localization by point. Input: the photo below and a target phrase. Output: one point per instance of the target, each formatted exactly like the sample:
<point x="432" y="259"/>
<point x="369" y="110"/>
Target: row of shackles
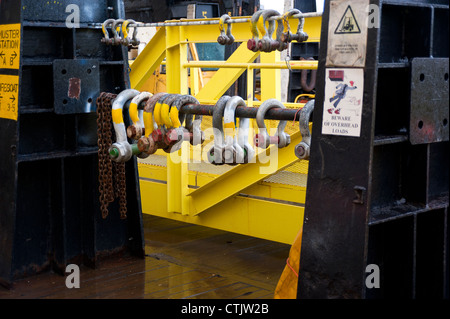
<point x="120" y="32"/>
<point x="263" y="30"/>
<point x="262" y="36"/>
<point x="231" y="144"/>
<point x="157" y="123"/>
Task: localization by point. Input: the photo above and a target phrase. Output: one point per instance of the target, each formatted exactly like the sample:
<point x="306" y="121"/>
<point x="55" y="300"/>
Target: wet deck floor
<point x="182" y="261"/>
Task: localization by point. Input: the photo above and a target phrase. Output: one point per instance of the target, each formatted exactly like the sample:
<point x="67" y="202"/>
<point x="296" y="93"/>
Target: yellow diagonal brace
<point x="241" y="177"/>
<point x="148" y="60"/>
<point x="225" y="77"/>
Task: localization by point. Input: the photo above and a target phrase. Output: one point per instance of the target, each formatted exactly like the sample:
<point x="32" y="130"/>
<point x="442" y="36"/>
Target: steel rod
<point x="246" y="112"/>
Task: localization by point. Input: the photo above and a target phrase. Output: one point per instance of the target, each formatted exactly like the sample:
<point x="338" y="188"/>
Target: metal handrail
<point x="297" y="65"/>
<point x="212" y="21"/>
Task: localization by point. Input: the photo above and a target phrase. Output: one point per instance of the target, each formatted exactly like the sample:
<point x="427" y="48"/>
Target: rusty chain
<point x="112" y="182"/>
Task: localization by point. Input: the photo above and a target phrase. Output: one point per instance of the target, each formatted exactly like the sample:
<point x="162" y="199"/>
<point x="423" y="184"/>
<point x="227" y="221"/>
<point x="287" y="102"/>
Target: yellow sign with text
<point x="10" y="46"/>
<point x="9" y="96"/>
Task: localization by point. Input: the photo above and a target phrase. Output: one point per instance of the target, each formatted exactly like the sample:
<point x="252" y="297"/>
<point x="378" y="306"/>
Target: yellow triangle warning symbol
<point x="348" y="23"/>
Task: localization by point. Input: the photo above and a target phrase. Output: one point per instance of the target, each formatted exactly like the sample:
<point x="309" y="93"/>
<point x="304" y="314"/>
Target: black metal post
<point x="49" y="199"/>
<point x="377" y="202"/>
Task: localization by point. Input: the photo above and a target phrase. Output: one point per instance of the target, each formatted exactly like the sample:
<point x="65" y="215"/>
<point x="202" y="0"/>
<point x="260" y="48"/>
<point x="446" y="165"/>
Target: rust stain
<point x="74" y="88"/>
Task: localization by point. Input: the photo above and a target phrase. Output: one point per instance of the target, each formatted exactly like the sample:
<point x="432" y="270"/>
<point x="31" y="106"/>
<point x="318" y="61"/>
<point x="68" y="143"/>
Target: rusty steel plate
<point x="76" y="86"/>
<point x="429" y="100"/>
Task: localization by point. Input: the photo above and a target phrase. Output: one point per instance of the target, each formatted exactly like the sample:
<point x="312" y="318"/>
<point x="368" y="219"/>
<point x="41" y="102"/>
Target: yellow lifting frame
<point x="154" y="53"/>
<point x="242" y="177"/>
<point x="196" y="205"/>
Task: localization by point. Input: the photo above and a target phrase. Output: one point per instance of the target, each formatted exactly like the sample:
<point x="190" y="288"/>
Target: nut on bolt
<point x="131" y="131"/>
<point x="157" y="136"/>
<point x="259" y="140"/>
<point x="252" y="44"/>
<point x="147" y="145"/>
<point x="302" y="150"/>
<point x="222" y="39"/>
<point x="171" y="137"/>
<point x="176" y="135"/>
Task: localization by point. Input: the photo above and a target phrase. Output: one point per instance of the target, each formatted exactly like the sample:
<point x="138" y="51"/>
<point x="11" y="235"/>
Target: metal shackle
<point x="279" y="38"/>
<point x="116" y="31"/>
<point x="159" y="132"/>
<point x="300" y="36"/>
<point x="195" y="135"/>
<point x="106" y="39"/>
<point x="233" y="153"/>
<point x="304" y="78"/>
<point x="267" y="43"/>
<point x="242" y="133"/>
<point x="302" y="150"/>
<point x="165" y="124"/>
<point x="137" y="128"/>
<point x="194" y="126"/>
<point x="149" y="120"/>
<point x="286" y="35"/>
<point x="176" y="133"/>
<point x="165" y="110"/>
<point x="225" y="38"/>
<point x="263" y="139"/>
<point x="249" y="152"/>
<point x="179" y="118"/>
<point x="134" y="41"/>
<point x="146" y="144"/>
<point x="121" y="150"/>
<point x="252" y="44"/>
<point x="157" y="109"/>
<point x="215" y="154"/>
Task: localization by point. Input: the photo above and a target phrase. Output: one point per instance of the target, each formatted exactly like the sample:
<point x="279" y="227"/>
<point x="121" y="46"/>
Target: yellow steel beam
<point x="225" y="77"/>
<point x="196" y="75"/>
<point x="250" y="87"/>
<point x="176" y="83"/>
<point x="149" y="59"/>
<point x="270" y="78"/>
<point x="153" y="54"/>
<point x="266" y="189"/>
<point x="242" y="31"/>
<point x="243" y="176"/>
<point x="248" y="216"/>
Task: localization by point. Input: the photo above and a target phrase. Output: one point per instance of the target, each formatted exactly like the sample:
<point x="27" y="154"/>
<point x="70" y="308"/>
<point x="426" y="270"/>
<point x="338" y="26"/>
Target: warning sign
<point x="9" y="46"/>
<point x="348" y="23"/>
<point x="347" y="33"/>
<point x="9" y="95"/>
<point x="343" y="102"/>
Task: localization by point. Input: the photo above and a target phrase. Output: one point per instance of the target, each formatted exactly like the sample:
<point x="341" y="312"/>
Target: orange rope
<point x="295" y="116"/>
<point x="287" y="262"/>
